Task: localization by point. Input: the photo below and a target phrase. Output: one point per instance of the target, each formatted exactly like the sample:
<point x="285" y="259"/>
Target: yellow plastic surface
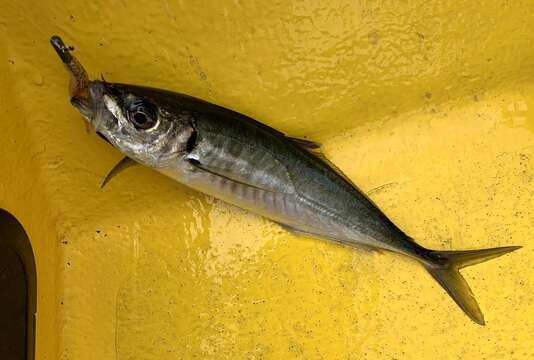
<point x="426" y="105"/>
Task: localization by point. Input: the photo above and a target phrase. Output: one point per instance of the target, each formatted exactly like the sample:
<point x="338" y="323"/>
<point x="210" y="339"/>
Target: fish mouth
<point x="83" y="92"/>
<point x="100" y="116"/>
<point x="85" y="95"/>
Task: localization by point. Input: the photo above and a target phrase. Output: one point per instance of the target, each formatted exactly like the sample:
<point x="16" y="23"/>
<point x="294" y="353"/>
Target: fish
<point x="230" y="156"/>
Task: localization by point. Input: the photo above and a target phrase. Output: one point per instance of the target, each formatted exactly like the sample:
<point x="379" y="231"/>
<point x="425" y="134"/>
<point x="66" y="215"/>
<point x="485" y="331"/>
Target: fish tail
<point x="445" y="269"/>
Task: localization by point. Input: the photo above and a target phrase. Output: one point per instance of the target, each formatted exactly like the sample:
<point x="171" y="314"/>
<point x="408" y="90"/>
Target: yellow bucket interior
<point x="427" y="106"/>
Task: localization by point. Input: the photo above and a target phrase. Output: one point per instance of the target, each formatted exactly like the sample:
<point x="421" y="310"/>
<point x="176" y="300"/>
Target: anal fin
<point x="330" y="238"/>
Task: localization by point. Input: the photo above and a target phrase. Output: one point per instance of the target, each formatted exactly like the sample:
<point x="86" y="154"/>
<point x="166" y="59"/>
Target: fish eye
<point x="142" y="115"/>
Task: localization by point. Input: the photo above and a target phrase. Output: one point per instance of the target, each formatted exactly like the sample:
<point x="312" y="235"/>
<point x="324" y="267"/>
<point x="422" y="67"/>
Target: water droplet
<point x="38" y="79"/>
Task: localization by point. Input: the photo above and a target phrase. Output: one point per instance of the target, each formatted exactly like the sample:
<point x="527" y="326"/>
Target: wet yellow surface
<point x="427" y="106"/>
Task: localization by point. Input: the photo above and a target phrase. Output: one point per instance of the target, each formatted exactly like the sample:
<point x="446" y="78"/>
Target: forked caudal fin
<point x="446" y="271"/>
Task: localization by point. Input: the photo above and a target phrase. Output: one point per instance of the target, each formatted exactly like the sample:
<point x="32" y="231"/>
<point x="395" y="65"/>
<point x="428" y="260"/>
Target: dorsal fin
<point x="305" y="143"/>
<point x="315" y="148"/>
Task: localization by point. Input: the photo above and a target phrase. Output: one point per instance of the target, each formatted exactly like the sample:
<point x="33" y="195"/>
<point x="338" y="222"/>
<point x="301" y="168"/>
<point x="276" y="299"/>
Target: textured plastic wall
<point x="426" y="105"/>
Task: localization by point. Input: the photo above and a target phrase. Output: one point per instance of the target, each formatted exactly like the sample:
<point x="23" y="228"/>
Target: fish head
<point x="144" y="123"/>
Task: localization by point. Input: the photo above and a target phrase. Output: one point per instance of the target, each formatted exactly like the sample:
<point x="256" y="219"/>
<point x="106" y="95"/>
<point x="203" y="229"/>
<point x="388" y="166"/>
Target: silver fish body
<point x="248" y="164"/>
<point x="230" y="156"/>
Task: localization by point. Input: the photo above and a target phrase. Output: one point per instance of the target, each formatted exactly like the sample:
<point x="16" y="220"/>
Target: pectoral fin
<point x="222" y="173"/>
<point x="125" y="163"/>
